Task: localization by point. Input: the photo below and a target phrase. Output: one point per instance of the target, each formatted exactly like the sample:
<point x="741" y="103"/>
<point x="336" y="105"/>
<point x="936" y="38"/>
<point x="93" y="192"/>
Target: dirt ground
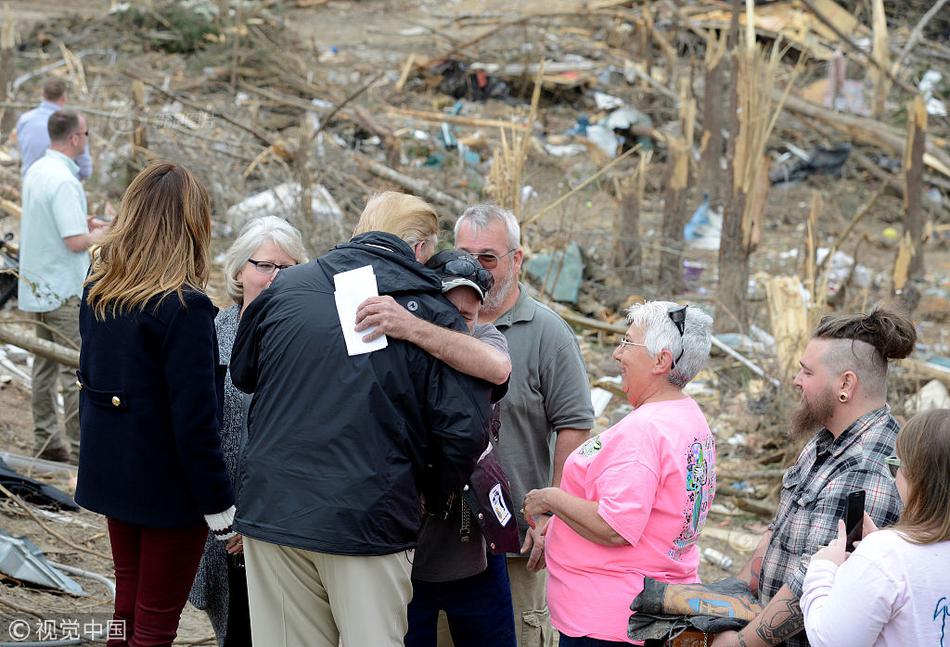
<point x="344" y="44"/>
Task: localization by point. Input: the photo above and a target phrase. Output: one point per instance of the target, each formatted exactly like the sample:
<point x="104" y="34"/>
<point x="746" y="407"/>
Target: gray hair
<point x="253" y="234"/>
<point x="659" y="333"/>
<point x="480" y="216"/>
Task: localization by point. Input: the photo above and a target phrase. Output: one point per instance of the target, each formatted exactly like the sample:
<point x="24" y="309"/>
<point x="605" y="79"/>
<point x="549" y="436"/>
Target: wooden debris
<point x="419" y="187"/>
<point x="755" y="114"/>
<point x="8" y="41"/>
<point x="42" y="347"/>
<point x="880" y="83"/>
<point x="913" y="182"/>
<point x="788" y="315"/>
<point x="868" y="131"/>
<point x="458" y="120"/>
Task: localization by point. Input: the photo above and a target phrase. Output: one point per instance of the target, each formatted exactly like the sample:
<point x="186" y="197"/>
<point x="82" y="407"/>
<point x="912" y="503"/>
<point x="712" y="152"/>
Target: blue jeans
<point x="586" y="641"/>
<point x="478" y="608"/>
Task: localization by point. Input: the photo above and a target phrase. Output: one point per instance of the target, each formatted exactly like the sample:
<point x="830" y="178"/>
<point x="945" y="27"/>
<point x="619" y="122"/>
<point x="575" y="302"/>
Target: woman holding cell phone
<point x="892" y="590"/>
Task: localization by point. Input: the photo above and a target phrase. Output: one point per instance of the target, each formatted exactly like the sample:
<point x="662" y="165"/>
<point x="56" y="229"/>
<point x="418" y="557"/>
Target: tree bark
<point x="710" y="172"/>
<point x="628" y="255"/>
<point x="7" y="49"/>
<point x="674" y="217"/>
<point x="914" y="182"/>
<point x="42" y="347"/>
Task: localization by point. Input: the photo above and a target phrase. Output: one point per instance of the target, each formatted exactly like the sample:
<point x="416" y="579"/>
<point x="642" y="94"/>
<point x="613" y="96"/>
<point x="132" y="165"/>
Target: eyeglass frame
<point x="894" y="464"/>
<point x="489" y="255"/>
<point x="277" y="266"/>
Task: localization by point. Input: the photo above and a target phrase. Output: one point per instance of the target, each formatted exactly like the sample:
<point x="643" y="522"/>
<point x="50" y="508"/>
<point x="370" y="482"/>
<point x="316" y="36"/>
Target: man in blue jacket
<point x="342" y="448"/>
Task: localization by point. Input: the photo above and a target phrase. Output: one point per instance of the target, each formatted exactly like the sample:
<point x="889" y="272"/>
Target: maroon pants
<point x="154" y="571"/>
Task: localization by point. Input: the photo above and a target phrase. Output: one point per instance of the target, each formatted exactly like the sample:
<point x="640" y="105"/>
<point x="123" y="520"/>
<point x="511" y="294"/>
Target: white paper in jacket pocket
<point x="352" y="288"/>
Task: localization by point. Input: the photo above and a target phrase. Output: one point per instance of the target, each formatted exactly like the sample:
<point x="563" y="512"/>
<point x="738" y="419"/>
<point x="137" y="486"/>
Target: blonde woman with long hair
<point x="150" y="400"/>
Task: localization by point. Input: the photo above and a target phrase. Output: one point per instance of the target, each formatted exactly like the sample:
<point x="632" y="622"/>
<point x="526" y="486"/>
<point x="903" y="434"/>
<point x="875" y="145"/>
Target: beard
<point x="810" y="416"/>
<point x="500" y="292"/>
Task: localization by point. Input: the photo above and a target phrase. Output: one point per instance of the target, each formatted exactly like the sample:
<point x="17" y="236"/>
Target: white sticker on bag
<point x="497" y="500"/>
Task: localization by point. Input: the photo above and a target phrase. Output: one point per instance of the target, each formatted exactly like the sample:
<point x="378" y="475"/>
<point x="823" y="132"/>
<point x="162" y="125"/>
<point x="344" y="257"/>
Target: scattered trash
<point x="459" y="80"/>
<point x="282" y="201"/>
<point x="560" y="273"/>
<point x="698" y="220"/>
<point x="713" y="556"/>
<point x="820" y="161"/>
<point x="604" y="138"/>
<point x="840" y="271"/>
<point x="932" y="395"/>
<point x="943" y="363"/>
<point x="605" y="101"/>
<point x="565" y="150"/>
<point x="927" y="85"/>
<point x="742" y="487"/>
<point x="600" y="399"/>
<point x="626" y="121"/>
<point x="39" y="494"/>
<point x="692" y="272"/>
<point x="23" y="561"/>
<point x="736" y="440"/>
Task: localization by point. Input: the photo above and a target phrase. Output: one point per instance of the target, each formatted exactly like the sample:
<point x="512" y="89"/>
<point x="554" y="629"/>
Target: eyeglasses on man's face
<point x="490" y="261"/>
<point x="893" y="465"/>
<point x="268" y="268"/>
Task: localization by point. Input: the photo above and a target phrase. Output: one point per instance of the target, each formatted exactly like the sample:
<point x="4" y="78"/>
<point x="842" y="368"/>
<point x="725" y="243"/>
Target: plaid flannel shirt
<point x="814" y="497"/>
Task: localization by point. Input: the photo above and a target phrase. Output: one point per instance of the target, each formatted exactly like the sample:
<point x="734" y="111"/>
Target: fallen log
<point x="868" y="131"/>
<point x="42" y="347"/>
<point x="418" y="187"/>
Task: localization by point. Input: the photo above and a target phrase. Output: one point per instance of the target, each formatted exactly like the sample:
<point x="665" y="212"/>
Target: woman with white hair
<point x="633" y="500"/>
<point x="264" y="247"/>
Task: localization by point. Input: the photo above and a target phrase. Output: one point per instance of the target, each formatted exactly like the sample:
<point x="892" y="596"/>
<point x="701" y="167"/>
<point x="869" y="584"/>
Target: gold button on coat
<point x="116" y="401"/>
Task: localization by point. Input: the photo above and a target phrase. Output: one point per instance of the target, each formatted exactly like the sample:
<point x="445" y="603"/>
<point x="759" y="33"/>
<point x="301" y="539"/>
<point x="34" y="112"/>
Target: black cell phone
<point x="854" y="519"/>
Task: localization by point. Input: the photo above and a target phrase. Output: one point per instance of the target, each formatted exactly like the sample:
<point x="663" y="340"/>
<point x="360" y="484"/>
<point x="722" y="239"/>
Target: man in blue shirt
<point x="32" y="136"/>
<point x="55" y="237"/>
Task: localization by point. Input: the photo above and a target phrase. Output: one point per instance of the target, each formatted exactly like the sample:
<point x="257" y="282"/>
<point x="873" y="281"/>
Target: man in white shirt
<point x="54" y="238"/>
<point x="31" y="130"/>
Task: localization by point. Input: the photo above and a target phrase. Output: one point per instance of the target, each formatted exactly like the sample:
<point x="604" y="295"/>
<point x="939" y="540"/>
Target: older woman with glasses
<point x="264" y="247"/>
<point x="632" y="500"/>
<point x="892" y="590"/>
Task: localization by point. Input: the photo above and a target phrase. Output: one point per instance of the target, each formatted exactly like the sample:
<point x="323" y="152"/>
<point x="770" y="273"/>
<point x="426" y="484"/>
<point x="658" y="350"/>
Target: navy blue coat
<point x="339" y="448"/>
<point x="149" y="414"/>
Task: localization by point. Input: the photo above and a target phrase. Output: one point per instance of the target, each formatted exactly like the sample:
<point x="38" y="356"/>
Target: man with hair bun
<point x="843" y="386"/>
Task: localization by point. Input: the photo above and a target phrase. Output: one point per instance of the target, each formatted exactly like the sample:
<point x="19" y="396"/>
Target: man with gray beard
<point x="548" y="401"/>
<point x="843" y="386"/>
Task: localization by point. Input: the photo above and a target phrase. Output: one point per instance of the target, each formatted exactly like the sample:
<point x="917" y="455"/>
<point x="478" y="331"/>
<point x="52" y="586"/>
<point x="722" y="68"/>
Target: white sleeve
<point x="847" y="604"/>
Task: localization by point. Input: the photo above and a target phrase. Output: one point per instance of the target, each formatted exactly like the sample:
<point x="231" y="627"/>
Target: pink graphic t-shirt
<point x="653" y="475"/>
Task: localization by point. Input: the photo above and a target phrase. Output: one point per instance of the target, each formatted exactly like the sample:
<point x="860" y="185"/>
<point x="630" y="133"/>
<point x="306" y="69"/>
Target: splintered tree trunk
<point x="710" y="173"/>
<point x="733" y="266"/>
<point x="7" y="48"/>
<point x="674" y="217"/>
<point x="628" y="255"/>
<point x="910" y="258"/>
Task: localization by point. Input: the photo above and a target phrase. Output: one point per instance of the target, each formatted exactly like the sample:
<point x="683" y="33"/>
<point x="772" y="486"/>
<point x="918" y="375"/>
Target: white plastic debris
<point x="282" y="201"/>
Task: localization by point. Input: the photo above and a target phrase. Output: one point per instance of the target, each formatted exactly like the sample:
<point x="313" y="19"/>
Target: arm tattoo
<point x="783" y="624"/>
<point x="741" y="640"/>
<point x="755" y="575"/>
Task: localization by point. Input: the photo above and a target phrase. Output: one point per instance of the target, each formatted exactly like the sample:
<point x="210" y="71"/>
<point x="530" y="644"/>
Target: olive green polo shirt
<point x="549" y="390"/>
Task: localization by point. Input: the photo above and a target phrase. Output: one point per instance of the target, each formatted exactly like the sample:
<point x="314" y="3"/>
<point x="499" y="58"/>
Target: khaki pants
<point x="60" y="326"/>
<point x="301" y="598"/>
<point x="529" y="598"/>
